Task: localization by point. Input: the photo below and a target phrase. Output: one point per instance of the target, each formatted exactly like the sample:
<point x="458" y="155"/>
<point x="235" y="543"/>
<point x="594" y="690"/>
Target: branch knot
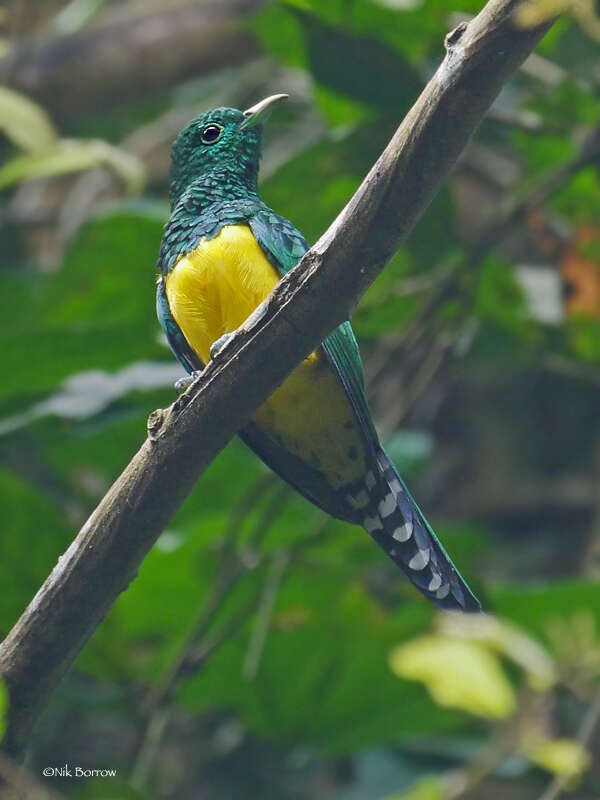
<point x="155" y="423"/>
<point x="455" y="35"/>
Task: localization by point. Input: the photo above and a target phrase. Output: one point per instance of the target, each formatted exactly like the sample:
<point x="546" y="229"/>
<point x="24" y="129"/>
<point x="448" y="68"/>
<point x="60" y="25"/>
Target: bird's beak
<point x="258" y="113"/>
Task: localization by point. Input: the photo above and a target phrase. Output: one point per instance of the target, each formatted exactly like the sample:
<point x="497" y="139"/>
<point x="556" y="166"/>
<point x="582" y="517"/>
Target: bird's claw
<point x="219" y="344"/>
<point x="183" y="383"/>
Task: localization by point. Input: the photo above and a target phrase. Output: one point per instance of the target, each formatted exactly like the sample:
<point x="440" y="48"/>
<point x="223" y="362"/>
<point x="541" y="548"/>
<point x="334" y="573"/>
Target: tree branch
<point x="154" y="50"/>
<point x="304" y="307"/>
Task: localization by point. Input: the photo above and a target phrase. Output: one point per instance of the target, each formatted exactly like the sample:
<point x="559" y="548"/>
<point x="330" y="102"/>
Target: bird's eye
<point x="211" y="134"/>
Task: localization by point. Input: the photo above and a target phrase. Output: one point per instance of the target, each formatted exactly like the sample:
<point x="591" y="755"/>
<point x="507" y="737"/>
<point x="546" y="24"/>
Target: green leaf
<point x="579" y="198"/>
<point x="544" y="152"/>
<point x="24" y="122"/>
<point x="280" y="34"/>
<point x="34" y="533"/>
<point x="499" y="298"/>
<point x="358" y="66"/>
<point x="583" y="335"/>
<point x="340" y="110"/>
<point x="97" y="312"/>
<point x="534" y="607"/>
<point x="323" y="678"/>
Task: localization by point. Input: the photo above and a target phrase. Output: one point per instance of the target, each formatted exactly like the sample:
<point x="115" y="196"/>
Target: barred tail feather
<point x="394" y="520"/>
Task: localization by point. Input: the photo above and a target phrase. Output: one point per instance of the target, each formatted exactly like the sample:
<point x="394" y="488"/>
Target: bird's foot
<point x="183" y="383"/>
<point x="219" y="344"/>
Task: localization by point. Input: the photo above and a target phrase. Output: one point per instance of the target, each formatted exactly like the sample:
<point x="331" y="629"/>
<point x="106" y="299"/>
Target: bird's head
<point x="223" y="140"/>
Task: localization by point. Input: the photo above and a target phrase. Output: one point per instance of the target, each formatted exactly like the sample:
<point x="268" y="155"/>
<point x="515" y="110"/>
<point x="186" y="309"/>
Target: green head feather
<point x="215" y="142"/>
<point x="223" y="142"/>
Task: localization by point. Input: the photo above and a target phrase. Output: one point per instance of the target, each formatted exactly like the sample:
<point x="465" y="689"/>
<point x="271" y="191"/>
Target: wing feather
<point x="284" y="246"/>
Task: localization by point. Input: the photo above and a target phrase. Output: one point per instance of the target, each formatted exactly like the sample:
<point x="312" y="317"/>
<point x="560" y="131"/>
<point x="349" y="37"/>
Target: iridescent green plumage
<point x="214" y="185"/>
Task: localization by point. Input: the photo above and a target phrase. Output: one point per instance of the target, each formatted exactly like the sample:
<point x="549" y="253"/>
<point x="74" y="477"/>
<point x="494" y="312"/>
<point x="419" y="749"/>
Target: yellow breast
<point x="211" y="291"/>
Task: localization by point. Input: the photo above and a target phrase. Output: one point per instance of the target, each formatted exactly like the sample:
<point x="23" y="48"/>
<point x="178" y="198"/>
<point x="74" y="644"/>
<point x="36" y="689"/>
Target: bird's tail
<point x="396" y="523"/>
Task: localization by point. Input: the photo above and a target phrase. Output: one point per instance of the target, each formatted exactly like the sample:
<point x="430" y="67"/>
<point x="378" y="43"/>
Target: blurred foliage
<point x="29" y="127"/>
<point x="461" y="665"/>
<point x="25" y="123"/>
<point x="458" y="674"/>
<point x="312" y="670"/>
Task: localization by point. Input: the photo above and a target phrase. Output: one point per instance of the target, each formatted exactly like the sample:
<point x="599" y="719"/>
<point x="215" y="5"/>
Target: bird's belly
<point x="212" y="291"/>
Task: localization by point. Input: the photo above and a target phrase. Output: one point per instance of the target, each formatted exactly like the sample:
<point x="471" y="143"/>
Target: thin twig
<point x="588" y="725"/>
<point x="194" y="654"/>
<point x="533" y="196"/>
<point x="246" y="503"/>
<point x="429" y="368"/>
<point x="199" y="644"/>
<point x="279" y="564"/>
<point x="468" y="777"/>
<point x="231" y="568"/>
<point x="571" y="369"/>
<point x="453" y="285"/>
<point x="161" y="715"/>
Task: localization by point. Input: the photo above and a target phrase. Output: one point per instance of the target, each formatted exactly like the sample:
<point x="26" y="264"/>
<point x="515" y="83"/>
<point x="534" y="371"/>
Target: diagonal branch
<point x="304" y="307"/>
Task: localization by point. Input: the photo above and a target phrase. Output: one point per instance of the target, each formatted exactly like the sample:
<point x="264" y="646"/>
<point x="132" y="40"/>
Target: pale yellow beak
<point x="258" y="113"/>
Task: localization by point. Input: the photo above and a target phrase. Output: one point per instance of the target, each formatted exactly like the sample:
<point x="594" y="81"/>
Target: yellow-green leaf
<point x="565" y="757"/>
<point x="24" y="122"/>
<point x="3" y="707"/>
<point x="507" y="640"/>
<point x="74" y="156"/>
<point x="428" y="788"/>
<point x="458" y="673"/>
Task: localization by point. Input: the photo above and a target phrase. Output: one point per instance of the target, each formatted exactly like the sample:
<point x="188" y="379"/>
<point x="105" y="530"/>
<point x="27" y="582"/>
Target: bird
<point x="222" y="253"/>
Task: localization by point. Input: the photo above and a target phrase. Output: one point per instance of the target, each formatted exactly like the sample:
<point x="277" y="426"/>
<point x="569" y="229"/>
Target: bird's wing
<point x="388" y="510"/>
<point x="177" y="341"/>
<point x="383" y="505"/>
<point x="284" y="246"/>
<point x="306" y="480"/>
<point x="302" y="476"/>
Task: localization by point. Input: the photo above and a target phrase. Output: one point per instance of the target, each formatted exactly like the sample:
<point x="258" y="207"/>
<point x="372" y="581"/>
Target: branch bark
<point x="305" y="306"/>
